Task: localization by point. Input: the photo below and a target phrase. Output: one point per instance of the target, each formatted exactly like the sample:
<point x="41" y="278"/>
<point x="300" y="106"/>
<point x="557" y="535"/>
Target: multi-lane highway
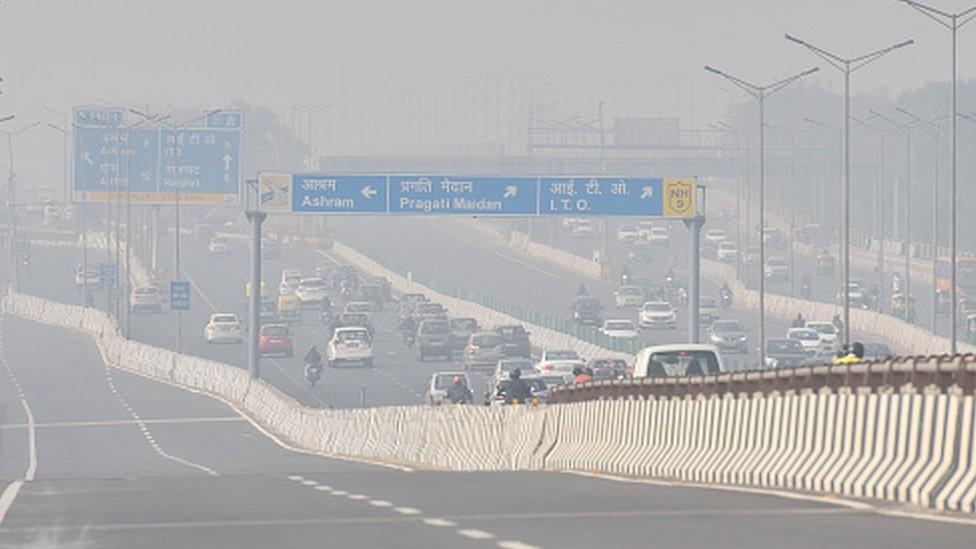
<point x="115" y="460"/>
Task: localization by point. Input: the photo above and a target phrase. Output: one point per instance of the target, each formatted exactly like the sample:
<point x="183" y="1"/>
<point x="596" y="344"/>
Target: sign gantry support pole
<point x="255" y="217"/>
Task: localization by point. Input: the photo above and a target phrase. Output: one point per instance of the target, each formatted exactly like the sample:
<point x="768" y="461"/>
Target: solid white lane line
<point x="10" y="493"/>
<point x="323" y="488"/>
<point x="340" y="493"/>
<point x="309" y="483"/>
<point x="475" y="534"/>
<point x="407" y="510"/>
<point x="440" y="523"/>
<point x="296" y="478"/>
<point x="357" y="497"/>
<point x="380" y="503"/>
<point x="516" y="545"/>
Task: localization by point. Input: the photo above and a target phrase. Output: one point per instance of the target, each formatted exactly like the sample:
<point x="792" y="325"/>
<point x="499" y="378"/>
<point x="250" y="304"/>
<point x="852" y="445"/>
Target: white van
<point x="679" y="359"/>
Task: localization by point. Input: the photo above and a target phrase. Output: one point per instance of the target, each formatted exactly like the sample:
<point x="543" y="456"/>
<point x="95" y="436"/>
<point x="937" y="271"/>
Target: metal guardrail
<point x="943" y="372"/>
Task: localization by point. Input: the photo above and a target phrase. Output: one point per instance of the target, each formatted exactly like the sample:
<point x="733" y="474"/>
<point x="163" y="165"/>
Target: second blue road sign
<point x="668" y="197"/>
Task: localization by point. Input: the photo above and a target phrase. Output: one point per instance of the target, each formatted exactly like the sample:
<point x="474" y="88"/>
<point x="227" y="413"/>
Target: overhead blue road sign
<point x="179" y="295"/>
<point x="457" y="195"/>
<point x="670" y="197"/>
<point x="106" y="275"/>
<point x="98" y="117"/>
<point x="601" y="196"/>
<point x="314" y="193"/>
<point x="153" y="164"/>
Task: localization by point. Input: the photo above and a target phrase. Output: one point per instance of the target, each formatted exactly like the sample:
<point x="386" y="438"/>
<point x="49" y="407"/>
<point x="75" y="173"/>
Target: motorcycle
<point x="726" y="300"/>
<point x="805" y="291"/>
<point x="409" y="338"/>
<point x="682" y="297"/>
<point x="313" y="373"/>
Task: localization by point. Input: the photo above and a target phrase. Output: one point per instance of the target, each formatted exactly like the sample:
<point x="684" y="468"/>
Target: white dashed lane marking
<point x="470" y="533"/>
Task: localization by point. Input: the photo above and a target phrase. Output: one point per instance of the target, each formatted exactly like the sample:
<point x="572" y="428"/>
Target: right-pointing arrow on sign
<point x="368" y="191"/>
<point x="510" y="191"/>
<point x="647" y="192"/>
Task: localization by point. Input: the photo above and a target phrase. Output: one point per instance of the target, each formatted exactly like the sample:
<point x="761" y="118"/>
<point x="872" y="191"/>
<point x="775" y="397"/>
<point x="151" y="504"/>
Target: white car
<point x="627" y="233"/>
<point x="583" y="228"/>
<point x="828" y="334"/>
<point x="219" y="245"/>
<point x="628" y="296"/>
<point x="562" y="367"/>
<point x="619" y="329"/>
<point x="440" y="383"/>
<point x="809" y="338"/>
<point x="312" y="291"/>
<point x="714" y="236"/>
<point x="146" y="299"/>
<point x="224" y="328"/>
<point x="350" y="344"/>
<point x="559" y="354"/>
<point x="659" y="235"/>
<point x="505" y="366"/>
<point x="657" y="314"/>
<point x="726" y="251"/>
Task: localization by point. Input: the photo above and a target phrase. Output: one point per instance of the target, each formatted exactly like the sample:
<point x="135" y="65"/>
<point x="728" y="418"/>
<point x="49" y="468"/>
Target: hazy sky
<point x="62" y="52"/>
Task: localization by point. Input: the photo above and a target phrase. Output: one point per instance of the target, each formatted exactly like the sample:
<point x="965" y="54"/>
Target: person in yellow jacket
<point x="854" y="355"/>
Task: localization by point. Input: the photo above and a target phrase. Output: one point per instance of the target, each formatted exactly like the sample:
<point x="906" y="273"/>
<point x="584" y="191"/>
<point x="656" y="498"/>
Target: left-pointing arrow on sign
<point x="510" y="191"/>
<point x="368" y="191"/>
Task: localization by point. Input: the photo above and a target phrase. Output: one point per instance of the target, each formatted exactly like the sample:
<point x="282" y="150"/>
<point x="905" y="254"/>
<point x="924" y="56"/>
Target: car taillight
<point x="471" y="351"/>
<point x="546" y="367"/>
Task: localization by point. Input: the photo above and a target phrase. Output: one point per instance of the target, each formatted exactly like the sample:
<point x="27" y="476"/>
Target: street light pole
<point x="953" y="22"/>
<point x="847" y="66"/>
<point x="761" y="93"/>
<point x="12" y="196"/>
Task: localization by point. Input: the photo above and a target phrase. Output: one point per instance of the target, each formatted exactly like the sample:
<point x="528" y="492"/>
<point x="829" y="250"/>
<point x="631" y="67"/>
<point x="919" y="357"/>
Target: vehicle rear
<point x="441" y="382"/>
<point x="483" y="351"/>
<point x="729" y="335"/>
<point x="311" y="291"/>
<point x="146" y="299"/>
<point x="275" y="339"/>
<point x="785" y="353"/>
<point x="586" y="311"/>
<point x="629" y="296"/>
<point x="685" y="359"/>
<point x="434" y="339"/>
<point x="515" y="340"/>
<point x="505" y="367"/>
<point x="657" y="315"/>
<point x="461" y="330"/>
<point x="219" y="245"/>
<point x="224" y="328"/>
<point x="350" y="345"/>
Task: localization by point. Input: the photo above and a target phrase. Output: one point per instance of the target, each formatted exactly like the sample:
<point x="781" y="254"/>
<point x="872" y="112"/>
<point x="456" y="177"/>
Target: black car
<point x="515" y="340"/>
<point x="877" y="351"/>
<point x="586" y="310"/>
<point x="784" y="353"/>
<point x="434" y="339"/>
<point x="386" y="292"/>
<point x="609" y="368"/>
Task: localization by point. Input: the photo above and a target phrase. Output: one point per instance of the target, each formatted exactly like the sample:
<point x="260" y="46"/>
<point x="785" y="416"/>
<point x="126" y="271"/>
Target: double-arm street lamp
<point x="760" y="93"/>
<point x="847" y="66"/>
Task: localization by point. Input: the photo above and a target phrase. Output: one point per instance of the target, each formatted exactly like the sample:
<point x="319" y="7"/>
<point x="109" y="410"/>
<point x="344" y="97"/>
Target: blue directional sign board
<point x="106" y="275"/>
<point x="151" y="164"/>
<point x="179" y="295"/>
<point x="601" y="196"/>
<point x="669" y="197"/>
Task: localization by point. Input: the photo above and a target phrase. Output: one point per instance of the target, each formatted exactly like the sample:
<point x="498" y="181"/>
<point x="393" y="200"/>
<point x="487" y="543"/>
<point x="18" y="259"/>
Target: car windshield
<point x="682" y="363"/>
<point x="224" y="319"/>
<point x="354" y="318"/>
<point x="707" y="303"/>
<point x="509" y="365"/>
<point x="804" y="335"/>
<point x="619" y="325"/>
<point x="444" y="381"/>
<point x="509" y="331"/>
<point x="561" y="355"/>
<point x="726" y="326"/>
<point x="657" y="307"/>
<point x="822" y="327"/>
<point x="630" y="290"/>
<point x="486" y="340"/>
<point x="783" y="346"/>
<point x="352" y="335"/>
<point x="465" y="324"/>
<point x="145" y="291"/>
<point x="312" y="283"/>
<point x="275" y="330"/>
<point x="434" y="328"/>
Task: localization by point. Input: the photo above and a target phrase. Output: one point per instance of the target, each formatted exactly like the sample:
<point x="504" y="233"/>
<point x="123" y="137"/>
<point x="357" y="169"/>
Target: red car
<point x="275" y="340"/>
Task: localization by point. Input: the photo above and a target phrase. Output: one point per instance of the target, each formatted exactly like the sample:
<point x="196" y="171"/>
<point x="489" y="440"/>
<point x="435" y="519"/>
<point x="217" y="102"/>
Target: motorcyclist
<point x="581" y="376"/>
<point x="799" y="321"/>
<point x="838" y="323"/>
<point x="682" y="295"/>
<point x="854" y="355"/>
<point x="805" y="288"/>
<point x="625" y="275"/>
<point x="458" y="392"/>
<point x="669" y="275"/>
<point x="409" y="328"/>
<point x="313" y="356"/>
<point x="581" y="291"/>
<point x="518" y="390"/>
